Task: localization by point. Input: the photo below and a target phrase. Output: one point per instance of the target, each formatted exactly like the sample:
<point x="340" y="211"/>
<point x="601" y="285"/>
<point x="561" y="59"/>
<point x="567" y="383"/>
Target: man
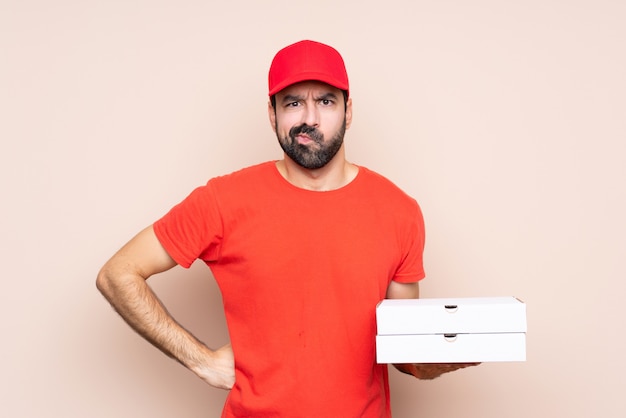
<point x="302" y="248"/>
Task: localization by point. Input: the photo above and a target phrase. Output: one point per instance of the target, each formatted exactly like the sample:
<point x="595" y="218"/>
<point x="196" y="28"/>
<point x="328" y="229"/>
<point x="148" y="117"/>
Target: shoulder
<point x="385" y="188"/>
<point x="246" y="185"/>
<point x="392" y="205"/>
<point x="237" y="183"/>
<point x="248" y="178"/>
<point x="245" y="174"/>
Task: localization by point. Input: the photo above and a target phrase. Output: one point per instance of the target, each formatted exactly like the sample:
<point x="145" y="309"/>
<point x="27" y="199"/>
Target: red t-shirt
<point x="300" y="273"/>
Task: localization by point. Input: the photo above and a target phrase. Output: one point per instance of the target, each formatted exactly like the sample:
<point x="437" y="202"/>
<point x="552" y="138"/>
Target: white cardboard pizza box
<point x="451" y="330"/>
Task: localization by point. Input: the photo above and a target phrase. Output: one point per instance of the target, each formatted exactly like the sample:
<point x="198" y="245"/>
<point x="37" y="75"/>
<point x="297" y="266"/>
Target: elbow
<point x="115" y="282"/>
<point x="104" y="283"/>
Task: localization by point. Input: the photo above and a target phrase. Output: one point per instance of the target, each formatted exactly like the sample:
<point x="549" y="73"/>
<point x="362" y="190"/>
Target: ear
<point x="348" y="112"/>
<point x="271" y="112"/>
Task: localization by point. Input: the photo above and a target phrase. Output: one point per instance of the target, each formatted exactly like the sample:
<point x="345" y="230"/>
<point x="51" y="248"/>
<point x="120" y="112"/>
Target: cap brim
<point x="308" y="76"/>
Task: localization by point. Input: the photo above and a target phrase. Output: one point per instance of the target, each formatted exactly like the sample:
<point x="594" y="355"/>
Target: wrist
<point x="198" y="357"/>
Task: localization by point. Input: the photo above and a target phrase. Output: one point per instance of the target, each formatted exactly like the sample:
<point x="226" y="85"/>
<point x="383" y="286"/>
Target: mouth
<point x="305" y="135"/>
<point x="303" y="139"/>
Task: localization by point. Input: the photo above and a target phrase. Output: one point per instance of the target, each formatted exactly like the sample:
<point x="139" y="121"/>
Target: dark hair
<point x="345" y="100"/>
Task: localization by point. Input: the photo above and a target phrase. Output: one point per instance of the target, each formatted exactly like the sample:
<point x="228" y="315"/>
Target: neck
<point x="334" y="175"/>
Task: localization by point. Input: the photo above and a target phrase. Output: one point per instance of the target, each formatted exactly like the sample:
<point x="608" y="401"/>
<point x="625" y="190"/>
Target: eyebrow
<point x="327" y="96"/>
<point x="296" y="98"/>
<point x="291" y="98"/>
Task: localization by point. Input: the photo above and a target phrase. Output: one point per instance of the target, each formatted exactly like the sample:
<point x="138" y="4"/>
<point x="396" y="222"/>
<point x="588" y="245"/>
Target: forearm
<point x="122" y="281"/>
<point x="132" y="298"/>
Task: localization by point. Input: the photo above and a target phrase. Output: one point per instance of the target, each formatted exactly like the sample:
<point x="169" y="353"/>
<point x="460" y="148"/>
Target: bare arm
<point x="422" y="370"/>
<point x="122" y="281"/>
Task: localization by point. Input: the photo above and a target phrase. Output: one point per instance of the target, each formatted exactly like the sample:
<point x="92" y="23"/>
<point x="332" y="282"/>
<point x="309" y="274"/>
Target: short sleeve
<point x="193" y="228"/>
<point x="411" y="268"/>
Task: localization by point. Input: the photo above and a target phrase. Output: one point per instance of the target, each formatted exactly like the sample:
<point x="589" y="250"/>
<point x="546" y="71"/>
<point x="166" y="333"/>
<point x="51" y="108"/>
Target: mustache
<point x="307" y="130"/>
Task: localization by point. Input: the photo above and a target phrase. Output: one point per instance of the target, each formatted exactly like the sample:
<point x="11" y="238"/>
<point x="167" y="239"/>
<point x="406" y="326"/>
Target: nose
<point x="311" y="115"/>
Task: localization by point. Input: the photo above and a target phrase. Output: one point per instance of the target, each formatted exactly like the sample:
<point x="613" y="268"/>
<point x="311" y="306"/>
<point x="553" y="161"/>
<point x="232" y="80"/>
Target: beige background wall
<point x="505" y="119"/>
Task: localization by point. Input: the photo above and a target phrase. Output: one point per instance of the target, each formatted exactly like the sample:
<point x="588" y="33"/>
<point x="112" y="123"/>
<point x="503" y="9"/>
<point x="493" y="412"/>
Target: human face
<point x="310" y="120"/>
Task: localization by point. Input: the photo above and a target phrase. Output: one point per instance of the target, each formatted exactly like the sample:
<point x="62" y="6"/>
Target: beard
<point x="313" y="155"/>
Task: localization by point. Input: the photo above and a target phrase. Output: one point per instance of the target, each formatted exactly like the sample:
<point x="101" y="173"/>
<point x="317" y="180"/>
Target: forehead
<point x="305" y="88"/>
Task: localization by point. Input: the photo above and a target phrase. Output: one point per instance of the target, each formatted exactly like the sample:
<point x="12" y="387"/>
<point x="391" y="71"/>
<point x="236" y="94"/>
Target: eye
<point x="292" y="104"/>
<point x="326" y="102"/>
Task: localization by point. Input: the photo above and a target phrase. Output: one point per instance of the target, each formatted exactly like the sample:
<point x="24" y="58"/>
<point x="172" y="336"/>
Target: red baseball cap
<point x="307" y="60"/>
